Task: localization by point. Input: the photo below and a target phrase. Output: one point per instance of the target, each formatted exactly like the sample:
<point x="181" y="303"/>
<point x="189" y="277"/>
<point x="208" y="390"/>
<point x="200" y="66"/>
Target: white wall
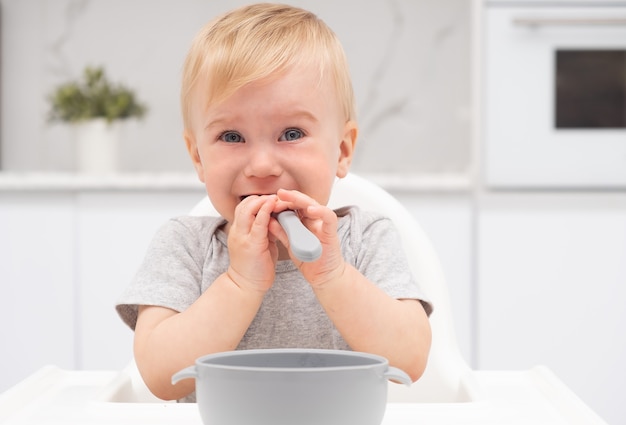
<point x="407" y="59"/>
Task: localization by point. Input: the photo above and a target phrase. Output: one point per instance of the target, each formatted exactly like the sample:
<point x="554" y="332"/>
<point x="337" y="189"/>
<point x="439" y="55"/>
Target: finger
<point x="245" y="213"/>
<point x="277" y="232"/>
<point x="259" y="226"/>
<point x="320" y="213"/>
<point x="294" y="200"/>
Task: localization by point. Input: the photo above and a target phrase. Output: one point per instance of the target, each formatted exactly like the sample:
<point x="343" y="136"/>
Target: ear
<point x="192" y="148"/>
<point x="346" y="148"/>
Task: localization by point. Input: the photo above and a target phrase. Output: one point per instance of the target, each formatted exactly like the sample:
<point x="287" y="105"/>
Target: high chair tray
<point x="56" y="396"/>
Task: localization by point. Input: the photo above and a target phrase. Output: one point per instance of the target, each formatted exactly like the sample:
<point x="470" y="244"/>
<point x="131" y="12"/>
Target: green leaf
<point x="93" y="97"/>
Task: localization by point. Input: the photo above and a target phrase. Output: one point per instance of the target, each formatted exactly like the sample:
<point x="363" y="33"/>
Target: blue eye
<point x="291" y="135"/>
<point x="231" y="137"/>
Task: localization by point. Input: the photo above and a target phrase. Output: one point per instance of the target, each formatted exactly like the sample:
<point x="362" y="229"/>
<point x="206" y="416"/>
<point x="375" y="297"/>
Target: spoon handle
<point x="304" y="245"/>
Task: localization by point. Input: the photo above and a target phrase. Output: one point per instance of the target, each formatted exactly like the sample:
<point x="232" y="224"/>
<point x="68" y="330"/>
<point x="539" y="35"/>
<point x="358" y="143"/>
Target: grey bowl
<point x="291" y="387"/>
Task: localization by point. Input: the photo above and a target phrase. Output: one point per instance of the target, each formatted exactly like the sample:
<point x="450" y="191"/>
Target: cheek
<point x="212" y="159"/>
<point x="216" y="181"/>
<point x="321" y="180"/>
<point x="220" y="200"/>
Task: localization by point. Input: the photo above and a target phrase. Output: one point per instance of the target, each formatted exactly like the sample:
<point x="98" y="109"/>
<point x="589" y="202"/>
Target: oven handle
<point x="543" y="22"/>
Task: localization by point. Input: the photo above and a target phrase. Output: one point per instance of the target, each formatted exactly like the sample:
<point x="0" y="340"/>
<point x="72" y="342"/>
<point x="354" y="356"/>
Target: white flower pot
<point x="97" y="146"/>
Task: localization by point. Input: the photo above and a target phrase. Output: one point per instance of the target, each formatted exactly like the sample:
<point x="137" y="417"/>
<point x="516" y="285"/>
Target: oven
<point x="554" y="87"/>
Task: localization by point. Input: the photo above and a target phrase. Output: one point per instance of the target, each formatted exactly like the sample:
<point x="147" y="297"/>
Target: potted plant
<point x="94" y="107"/>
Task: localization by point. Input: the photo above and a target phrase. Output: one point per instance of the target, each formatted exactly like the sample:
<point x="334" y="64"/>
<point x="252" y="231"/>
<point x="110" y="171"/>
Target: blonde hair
<point x="259" y="41"/>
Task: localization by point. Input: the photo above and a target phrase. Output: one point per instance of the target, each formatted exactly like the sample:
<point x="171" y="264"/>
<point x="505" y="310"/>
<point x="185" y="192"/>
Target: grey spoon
<point x="304" y="245"/>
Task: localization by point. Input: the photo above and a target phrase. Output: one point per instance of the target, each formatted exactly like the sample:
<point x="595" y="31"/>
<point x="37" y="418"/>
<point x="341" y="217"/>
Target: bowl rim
<point x="378" y="361"/>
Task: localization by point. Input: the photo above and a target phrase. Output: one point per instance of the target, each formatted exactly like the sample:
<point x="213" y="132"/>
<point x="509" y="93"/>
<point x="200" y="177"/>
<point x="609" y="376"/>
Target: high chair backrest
<point x="445" y="377"/>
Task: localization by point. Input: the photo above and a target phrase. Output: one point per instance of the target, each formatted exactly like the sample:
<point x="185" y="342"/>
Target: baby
<point x="269" y="123"/>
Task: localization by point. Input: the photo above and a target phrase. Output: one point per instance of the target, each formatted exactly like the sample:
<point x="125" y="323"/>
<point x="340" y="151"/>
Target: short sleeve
<point x="171" y="272"/>
<point x="377" y="252"/>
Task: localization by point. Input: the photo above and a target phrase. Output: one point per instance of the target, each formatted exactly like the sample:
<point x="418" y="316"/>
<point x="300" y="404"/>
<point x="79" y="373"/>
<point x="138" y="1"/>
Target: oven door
<point x="555" y="97"/>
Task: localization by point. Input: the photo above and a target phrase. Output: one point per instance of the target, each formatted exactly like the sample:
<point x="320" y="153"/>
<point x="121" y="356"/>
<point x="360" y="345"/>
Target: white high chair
<point x="447" y="377"/>
<point x="449" y="390"/>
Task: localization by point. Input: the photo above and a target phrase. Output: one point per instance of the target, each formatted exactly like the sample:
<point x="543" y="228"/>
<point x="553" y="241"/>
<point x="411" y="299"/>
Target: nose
<point x="262" y="162"/>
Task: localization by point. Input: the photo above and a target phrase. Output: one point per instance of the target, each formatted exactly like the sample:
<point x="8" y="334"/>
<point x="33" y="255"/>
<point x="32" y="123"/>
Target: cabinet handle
<point x="544" y="22"/>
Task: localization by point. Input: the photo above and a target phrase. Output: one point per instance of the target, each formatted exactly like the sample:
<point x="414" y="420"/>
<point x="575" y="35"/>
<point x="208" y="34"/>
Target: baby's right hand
<point x="252" y="249"/>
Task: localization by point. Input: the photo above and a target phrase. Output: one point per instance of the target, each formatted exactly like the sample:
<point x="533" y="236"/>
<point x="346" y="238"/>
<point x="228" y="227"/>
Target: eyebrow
<point x="303" y="113"/>
<point x="297" y="113"/>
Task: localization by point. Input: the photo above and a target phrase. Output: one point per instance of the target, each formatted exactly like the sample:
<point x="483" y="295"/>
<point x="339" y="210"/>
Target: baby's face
<point x="287" y="133"/>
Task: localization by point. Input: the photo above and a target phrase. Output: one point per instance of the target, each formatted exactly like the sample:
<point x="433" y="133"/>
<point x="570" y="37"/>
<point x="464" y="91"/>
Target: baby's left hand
<point x="322" y="222"/>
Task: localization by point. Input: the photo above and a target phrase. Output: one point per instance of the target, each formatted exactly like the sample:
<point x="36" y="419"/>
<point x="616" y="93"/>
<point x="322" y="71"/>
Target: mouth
<point x="241" y="198"/>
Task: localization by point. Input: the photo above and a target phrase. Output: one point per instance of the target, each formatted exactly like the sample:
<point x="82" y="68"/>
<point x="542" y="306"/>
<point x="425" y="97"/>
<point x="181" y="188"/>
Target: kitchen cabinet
<point x="65" y="256"/>
<point x="37" y="316"/>
<point x="113" y="231"/>
<point x="551" y="272"/>
<point x="534" y="277"/>
<point x="70" y="246"/>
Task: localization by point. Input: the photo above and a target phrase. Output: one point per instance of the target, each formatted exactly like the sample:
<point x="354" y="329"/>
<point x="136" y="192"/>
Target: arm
<point x="166" y="341"/>
<point x="372" y="321"/>
<point x="366" y="316"/>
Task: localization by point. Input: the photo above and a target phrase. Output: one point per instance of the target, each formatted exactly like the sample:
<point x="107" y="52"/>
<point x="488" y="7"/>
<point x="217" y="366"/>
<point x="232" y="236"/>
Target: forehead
<point x="298" y="86"/>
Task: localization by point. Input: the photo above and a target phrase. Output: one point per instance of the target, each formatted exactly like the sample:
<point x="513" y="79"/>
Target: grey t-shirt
<point x="188" y="253"/>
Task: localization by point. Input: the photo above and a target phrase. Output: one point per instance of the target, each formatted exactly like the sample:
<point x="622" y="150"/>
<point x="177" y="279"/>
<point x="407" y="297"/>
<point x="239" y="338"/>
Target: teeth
<point x="241" y="198"/>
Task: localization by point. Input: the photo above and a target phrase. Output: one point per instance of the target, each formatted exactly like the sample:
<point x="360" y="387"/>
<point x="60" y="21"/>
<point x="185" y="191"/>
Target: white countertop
<point x="35" y="182"/>
<point x="64" y="182"/>
<point x="55" y="396"/>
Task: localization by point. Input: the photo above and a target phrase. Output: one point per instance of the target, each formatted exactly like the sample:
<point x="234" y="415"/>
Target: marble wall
<point x="410" y="62"/>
